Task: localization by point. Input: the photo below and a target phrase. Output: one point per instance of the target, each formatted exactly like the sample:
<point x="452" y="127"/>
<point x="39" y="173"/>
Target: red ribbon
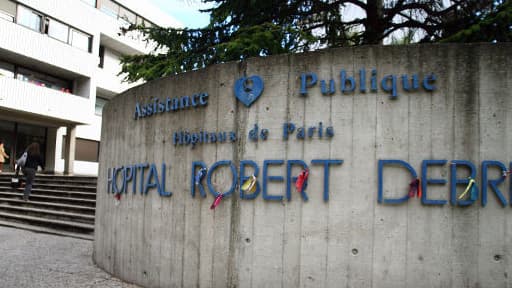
<point x="415" y="188"/>
<point x="302" y="180"/>
<point x="216" y="202"/>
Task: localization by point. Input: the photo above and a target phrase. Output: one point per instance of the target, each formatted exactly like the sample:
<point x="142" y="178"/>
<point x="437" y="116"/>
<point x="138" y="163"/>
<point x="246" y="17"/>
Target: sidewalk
<point x="33" y="260"/>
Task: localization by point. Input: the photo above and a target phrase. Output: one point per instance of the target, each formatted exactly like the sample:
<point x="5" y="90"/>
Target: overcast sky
<point x="185" y="11"/>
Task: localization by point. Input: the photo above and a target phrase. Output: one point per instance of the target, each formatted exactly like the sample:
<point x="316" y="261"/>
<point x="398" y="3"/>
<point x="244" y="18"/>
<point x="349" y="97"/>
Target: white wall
<point x="42" y="48"/>
<point x="91" y="132"/>
<point x="30" y="98"/>
<point x="91" y="20"/>
<point x="107" y="77"/>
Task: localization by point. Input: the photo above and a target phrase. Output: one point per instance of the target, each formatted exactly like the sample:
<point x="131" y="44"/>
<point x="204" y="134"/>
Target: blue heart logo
<point x="248" y="89"/>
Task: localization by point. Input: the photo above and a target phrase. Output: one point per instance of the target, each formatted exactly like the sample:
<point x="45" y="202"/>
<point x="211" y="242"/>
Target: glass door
<point x="7" y="134"/>
<point x="28" y="134"/>
<point x="17" y="137"/>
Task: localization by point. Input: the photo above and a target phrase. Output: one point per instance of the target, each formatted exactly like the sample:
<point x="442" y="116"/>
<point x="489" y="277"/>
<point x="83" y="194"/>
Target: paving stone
<point x="33" y="260"/>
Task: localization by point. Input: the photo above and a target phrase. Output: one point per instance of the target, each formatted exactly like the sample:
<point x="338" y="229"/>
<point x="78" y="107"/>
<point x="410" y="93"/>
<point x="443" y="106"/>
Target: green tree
<point x="491" y="23"/>
<point x="247" y="28"/>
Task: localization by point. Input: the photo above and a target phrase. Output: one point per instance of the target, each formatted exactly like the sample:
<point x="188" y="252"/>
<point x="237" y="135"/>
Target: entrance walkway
<point x="33" y="260"/>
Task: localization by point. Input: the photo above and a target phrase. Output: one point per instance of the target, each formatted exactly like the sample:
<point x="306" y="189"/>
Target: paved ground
<point x="32" y="260"/>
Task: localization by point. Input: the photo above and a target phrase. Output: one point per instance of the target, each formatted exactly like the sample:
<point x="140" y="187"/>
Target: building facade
<point x="59" y="64"/>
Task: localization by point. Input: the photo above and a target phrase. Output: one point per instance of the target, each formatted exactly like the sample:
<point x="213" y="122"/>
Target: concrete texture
<point x="32" y="260"/>
<point x="350" y="241"/>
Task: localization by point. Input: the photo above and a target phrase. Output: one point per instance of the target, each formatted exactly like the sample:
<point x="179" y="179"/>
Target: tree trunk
<point x="374" y="22"/>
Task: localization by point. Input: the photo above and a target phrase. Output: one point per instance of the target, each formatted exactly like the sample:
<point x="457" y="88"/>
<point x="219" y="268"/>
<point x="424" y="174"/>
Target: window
<point x="109" y="7"/>
<point x="57" y="30"/>
<point x="85" y="150"/>
<point x="80" y="40"/>
<point x="37" y="78"/>
<point x="102" y="56"/>
<point x="43" y="80"/>
<point x="127" y="17"/>
<point x="29" y="18"/>
<point x="7" y="10"/>
<point x="100" y="102"/>
<point x="148" y="24"/>
<point x="46" y="25"/>
<point x="27" y="134"/>
<point x="6" y="70"/>
<point x="90" y="2"/>
<point x="140" y="20"/>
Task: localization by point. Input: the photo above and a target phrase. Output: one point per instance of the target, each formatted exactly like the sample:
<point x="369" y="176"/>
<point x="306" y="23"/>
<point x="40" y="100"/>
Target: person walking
<point x="3" y="155"/>
<point x="29" y="170"/>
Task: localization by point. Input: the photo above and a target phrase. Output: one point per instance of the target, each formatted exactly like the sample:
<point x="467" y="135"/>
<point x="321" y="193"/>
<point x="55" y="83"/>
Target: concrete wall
<point x="19" y="39"/>
<point x="108" y="78"/>
<point x="349" y="241"/>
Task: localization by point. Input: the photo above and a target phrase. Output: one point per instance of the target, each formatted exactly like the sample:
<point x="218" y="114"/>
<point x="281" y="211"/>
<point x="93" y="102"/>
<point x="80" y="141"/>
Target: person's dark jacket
<point x="33" y="161"/>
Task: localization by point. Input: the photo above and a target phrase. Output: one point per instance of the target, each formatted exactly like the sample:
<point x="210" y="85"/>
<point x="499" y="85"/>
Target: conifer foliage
<point x="239" y="29"/>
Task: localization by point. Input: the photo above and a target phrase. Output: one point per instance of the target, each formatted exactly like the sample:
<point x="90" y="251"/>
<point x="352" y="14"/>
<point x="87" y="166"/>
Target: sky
<point x="185" y="11"/>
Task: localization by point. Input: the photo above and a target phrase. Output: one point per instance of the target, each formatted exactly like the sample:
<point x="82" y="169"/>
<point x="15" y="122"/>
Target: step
<point x="52" y="199"/>
<point x="50" y="205"/>
<point x="46" y="230"/>
<point x="43" y="177"/>
<point x="51" y="185"/>
<point x="60" y="179"/>
<point x="70" y="178"/>
<point x="65" y="187"/>
<point x="73" y="194"/>
<point x="84" y="218"/>
<point x="46" y="174"/>
<point x="69" y="225"/>
<point x="68" y="182"/>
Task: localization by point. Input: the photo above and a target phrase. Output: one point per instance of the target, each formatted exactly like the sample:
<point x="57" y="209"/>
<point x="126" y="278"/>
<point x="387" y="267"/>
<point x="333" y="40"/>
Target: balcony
<point x="44" y="104"/>
<point x="32" y="48"/>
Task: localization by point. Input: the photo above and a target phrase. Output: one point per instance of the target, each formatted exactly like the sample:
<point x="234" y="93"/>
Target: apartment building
<point x="59" y="61"/>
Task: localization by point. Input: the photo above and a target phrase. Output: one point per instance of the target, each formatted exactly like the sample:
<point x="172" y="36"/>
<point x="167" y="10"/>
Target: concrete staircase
<point x="61" y="205"/>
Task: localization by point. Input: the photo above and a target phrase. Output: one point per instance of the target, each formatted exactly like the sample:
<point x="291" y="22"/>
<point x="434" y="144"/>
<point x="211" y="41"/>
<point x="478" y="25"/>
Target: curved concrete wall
<point x="461" y="110"/>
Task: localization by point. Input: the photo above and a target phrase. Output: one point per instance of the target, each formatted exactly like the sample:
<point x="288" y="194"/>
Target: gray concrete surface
<point x="33" y="260"/>
<point x="349" y="241"/>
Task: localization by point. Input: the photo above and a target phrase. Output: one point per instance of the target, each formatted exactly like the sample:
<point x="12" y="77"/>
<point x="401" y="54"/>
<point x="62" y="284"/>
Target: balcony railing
<point x="26" y="97"/>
